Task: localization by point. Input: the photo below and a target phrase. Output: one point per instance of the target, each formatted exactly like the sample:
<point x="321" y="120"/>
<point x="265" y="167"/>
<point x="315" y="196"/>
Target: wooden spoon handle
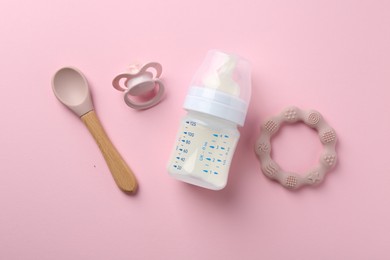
<point x="123" y="175"/>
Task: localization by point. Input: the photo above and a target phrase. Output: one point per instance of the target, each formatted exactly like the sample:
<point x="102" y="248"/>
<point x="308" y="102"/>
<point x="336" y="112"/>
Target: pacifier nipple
<point x="134" y="68"/>
<point x="140" y="81"/>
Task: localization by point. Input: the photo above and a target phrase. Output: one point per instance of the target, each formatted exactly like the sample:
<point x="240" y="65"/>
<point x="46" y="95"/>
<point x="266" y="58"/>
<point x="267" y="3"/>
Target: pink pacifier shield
<point x="138" y="81"/>
<point x="327" y="136"/>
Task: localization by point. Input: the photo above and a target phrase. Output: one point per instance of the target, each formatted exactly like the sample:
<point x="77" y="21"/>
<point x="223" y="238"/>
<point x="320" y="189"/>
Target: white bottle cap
<point x="221" y="87"/>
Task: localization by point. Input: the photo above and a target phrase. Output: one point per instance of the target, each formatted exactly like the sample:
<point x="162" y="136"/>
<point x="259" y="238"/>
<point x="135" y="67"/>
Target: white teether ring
<point x="327" y="159"/>
<point x="139" y="81"/>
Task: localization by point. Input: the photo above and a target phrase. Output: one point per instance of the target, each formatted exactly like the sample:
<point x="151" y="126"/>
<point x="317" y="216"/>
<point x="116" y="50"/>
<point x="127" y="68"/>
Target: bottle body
<point x="203" y="150"/>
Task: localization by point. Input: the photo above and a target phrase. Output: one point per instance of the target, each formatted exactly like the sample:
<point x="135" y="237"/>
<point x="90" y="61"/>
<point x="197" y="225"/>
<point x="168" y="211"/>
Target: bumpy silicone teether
<point x="139" y="81"/>
<point x="327" y="159"/>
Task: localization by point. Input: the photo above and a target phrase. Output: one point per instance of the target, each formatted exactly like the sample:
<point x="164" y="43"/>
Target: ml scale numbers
<point x="199" y="145"/>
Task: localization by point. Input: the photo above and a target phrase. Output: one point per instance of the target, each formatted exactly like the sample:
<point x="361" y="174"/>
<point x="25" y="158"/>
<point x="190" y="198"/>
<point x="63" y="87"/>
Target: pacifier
<point x="141" y="81"/>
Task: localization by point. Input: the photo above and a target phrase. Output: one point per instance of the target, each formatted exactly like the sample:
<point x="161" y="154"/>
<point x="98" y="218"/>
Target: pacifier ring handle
<point x="116" y="81"/>
<point x="150" y="103"/>
<point x="155" y="65"/>
<point x="327" y="137"/>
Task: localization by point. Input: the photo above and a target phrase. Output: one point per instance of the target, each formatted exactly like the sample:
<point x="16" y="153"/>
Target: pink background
<point x="58" y="199"/>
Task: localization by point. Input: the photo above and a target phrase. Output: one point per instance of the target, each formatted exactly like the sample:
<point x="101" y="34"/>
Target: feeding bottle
<point x="217" y="102"/>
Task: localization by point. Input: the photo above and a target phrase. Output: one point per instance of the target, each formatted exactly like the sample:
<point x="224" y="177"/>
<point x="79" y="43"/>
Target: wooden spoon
<point x="71" y="89"/>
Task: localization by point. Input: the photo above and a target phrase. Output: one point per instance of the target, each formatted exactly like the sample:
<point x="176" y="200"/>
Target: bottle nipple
<point x="222" y="78"/>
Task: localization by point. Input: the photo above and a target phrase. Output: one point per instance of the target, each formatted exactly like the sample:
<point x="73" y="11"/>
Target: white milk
<point x="203" y="151"/>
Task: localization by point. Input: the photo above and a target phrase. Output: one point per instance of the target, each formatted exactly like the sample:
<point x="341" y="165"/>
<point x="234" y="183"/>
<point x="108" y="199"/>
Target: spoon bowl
<point x="71" y="89"/>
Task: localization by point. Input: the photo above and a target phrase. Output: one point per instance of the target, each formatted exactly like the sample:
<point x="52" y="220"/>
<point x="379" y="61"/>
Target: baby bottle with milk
<point x="217" y="102"/>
